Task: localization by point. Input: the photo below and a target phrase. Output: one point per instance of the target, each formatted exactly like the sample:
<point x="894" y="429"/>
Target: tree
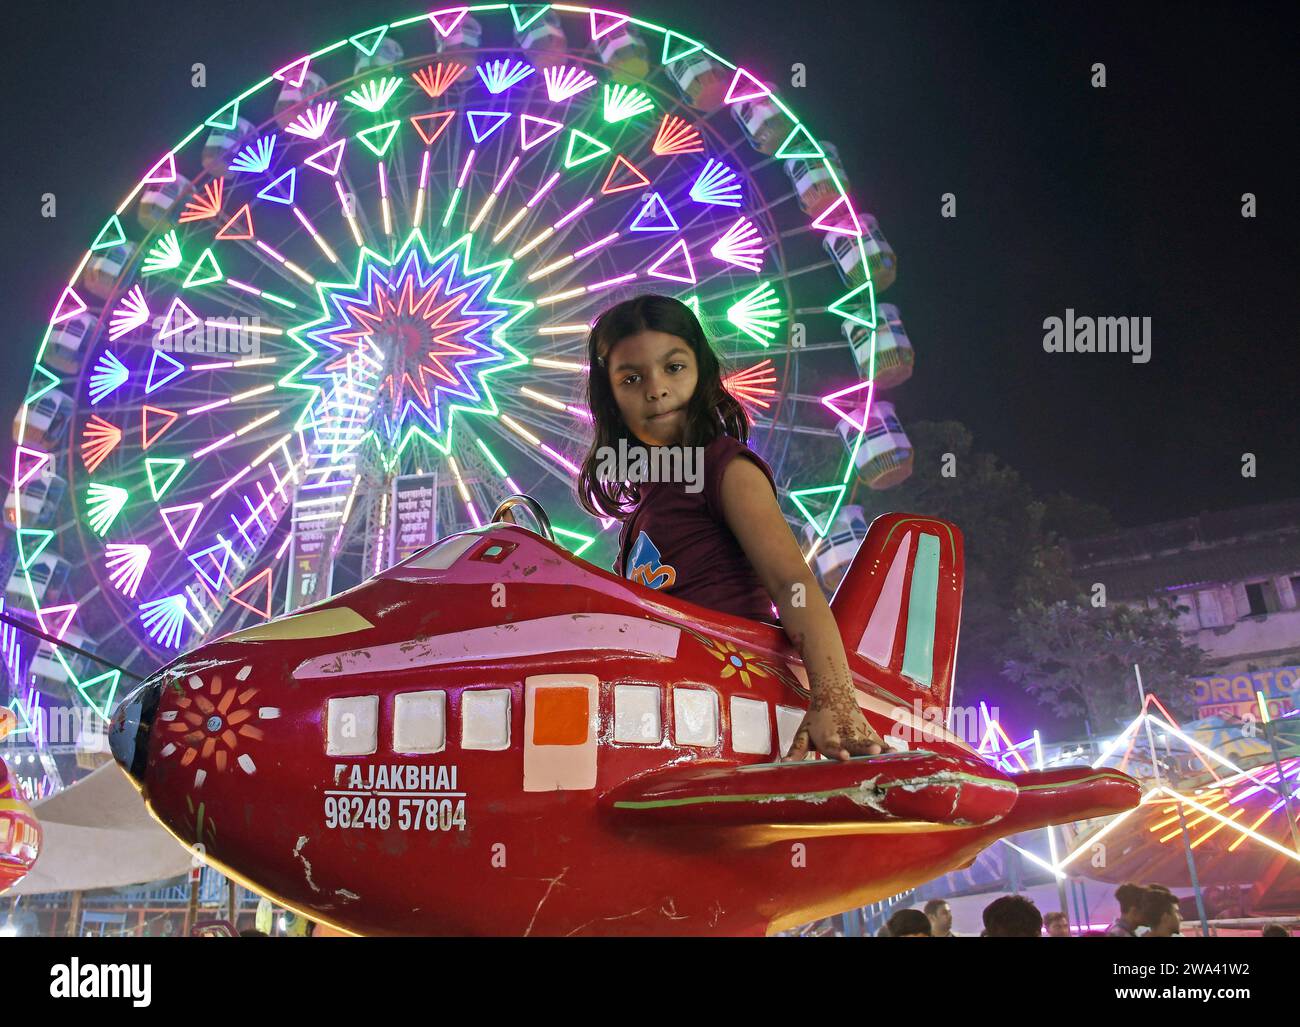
<point x="1078" y="659"/>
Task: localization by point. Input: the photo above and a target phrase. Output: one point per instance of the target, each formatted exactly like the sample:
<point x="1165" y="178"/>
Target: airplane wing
<point x="903" y="790"/>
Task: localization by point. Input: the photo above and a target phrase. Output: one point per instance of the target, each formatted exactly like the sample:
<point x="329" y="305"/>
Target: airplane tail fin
<point x="899" y="604"/>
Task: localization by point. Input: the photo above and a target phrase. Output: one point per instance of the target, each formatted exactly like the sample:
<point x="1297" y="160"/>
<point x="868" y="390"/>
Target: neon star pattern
<point x="423" y="326"/>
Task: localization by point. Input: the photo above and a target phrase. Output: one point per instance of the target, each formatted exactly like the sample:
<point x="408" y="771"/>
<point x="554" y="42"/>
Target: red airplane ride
<point x="497" y="738"/>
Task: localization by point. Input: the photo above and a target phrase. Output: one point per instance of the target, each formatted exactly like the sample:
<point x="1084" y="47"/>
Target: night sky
<point x="1123" y="201"/>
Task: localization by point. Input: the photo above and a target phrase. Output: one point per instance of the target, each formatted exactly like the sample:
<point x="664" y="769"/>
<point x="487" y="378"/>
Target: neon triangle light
<point x="168" y="468"/>
<point x="179" y="311"/>
<point x="110" y="235"/>
<point x="445" y="21"/>
<point x="242" y="231"/>
<point x="516" y="10"/>
<point x="639" y="181"/>
<point x="51" y="381"/>
<point x="227" y="117"/>
<point x="269" y="194"/>
<point x="388" y="131"/>
<point x="368" y="42"/>
<point x="824" y="222"/>
<point x="199" y="276"/>
<point x="187" y="514"/>
<point x="688" y="276"/>
<point x="690" y="46"/>
<point x="594" y="146"/>
<point x="154" y="382"/>
<point x="799" y="144"/>
<point x="293" y="74"/>
<point x="336" y="149"/>
<point x="70" y="305"/>
<point x="798" y="497"/>
<point x="263" y="579"/>
<point x="68" y="611"/>
<point x="26" y="555"/>
<point x="744" y="78"/>
<point x="528" y="140"/>
<point x="162" y="172"/>
<point x="35" y="461"/>
<point x="851" y="415"/>
<point x="654" y="207"/>
<point x="869" y="302"/>
<point x="604" y="22"/>
<point x="498" y="118"/>
<point x="107" y="684"/>
<point x="441" y="118"/>
<point x="199" y="563"/>
<point x="147" y="437"/>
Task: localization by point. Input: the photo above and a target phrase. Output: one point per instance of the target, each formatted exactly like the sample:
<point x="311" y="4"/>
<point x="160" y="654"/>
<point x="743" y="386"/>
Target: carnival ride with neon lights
<point x="345" y="316"/>
<point x="20" y="833"/>
<point x="1227" y="797"/>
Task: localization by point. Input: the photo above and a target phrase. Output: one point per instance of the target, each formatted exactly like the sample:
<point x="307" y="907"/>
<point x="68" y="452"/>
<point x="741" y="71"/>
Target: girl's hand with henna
<point x="835" y="727"/>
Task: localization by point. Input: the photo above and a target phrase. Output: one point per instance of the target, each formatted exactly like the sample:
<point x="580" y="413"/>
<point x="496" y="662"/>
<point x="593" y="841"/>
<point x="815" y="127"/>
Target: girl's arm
<point x="834" y="725"/>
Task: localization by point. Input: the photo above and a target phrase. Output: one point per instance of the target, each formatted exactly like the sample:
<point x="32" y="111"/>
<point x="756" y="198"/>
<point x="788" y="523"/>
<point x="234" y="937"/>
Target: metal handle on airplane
<point x="533" y="507"/>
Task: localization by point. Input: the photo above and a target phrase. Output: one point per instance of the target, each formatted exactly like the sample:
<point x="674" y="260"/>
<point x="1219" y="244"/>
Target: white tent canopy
<point x="98" y="834"/>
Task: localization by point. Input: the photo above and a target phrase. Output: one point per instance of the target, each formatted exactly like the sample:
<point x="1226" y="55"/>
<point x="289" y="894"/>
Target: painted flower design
<point x="210" y="725"/>
<point x="737" y="661"/>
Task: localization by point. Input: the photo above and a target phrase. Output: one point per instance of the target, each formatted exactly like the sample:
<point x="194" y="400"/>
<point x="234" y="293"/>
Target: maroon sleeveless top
<point x="679" y="543"/>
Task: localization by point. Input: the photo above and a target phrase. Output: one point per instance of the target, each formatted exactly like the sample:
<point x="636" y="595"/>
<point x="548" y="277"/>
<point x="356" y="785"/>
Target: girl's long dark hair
<point x="712" y="410"/>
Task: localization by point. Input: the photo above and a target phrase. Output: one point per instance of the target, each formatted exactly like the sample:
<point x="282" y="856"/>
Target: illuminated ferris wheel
<point x="346" y="316"/>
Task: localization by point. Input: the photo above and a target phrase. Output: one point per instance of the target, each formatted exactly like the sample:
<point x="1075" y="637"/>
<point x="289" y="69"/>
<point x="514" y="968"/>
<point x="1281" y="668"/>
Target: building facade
<point x="1236" y="574"/>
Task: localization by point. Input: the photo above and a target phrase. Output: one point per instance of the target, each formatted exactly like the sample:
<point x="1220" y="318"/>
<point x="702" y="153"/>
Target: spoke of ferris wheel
<point x="360" y="216"/>
<point x="798" y="429"/>
<point x="555" y="470"/>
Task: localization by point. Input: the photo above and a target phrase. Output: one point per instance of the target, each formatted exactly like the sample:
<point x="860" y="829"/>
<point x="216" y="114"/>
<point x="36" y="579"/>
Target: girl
<point x="720" y="539"/>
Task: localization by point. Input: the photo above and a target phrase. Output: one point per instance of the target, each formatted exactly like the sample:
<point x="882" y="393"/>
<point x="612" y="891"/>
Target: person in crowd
<point x="1057" y="924"/>
<point x="1274" y="931"/>
<point x="940" y="914"/>
<point x="909" y="923"/>
<point x="1159" y="912"/>
<point x="1129" y="896"/>
<point x="1012" y="916"/>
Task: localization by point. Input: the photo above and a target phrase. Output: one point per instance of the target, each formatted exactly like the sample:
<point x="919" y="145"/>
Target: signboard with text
<point x="1234" y="694"/>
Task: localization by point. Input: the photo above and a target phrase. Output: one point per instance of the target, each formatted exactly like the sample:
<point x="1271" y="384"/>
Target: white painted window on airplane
<point x="788" y="720"/>
<point x="420" y="722"/>
<point x="485" y="719"/>
<point x="637" y="715"/>
<point x="751" y="727"/>
<point x="695" y="716"/>
<point x="352" y="726"/>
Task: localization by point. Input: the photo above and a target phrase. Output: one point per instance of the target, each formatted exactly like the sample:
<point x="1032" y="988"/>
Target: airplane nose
<point x="128" y="731"/>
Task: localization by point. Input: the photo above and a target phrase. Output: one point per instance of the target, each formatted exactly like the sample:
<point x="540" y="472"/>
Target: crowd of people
<point x="1145" y="911"/>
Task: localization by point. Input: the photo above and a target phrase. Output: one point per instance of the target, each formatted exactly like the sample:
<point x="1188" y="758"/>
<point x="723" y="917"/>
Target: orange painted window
<point x="560" y="716"/>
